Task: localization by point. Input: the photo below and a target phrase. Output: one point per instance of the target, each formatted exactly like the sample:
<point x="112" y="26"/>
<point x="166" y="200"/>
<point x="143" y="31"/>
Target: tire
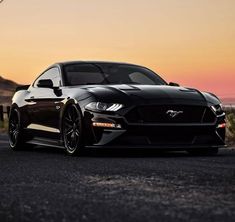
<point x="72" y="130"/>
<point x="204" y="152"/>
<point x="15" y="132"/>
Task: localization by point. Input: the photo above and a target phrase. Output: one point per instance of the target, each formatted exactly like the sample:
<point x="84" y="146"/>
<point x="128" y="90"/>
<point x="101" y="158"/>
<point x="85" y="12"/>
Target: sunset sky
<point x="191" y="42"/>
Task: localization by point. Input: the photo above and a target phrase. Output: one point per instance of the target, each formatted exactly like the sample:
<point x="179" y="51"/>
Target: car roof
<point x="96" y="62"/>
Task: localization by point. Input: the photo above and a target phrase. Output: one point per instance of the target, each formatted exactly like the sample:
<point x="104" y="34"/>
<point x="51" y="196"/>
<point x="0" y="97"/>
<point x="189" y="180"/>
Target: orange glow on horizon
<point x="189" y="42"/>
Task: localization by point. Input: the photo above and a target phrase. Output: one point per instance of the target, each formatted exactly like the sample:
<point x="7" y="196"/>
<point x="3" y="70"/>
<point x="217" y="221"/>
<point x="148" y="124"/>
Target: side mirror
<point x="173" y="84"/>
<point x="45" y="83"/>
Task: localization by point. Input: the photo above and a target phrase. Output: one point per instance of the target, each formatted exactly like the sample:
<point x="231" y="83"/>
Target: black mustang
<point x="76" y="105"/>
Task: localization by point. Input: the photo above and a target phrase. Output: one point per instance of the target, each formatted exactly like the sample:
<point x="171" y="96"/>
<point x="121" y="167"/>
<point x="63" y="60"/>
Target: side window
<point x="52" y="74"/>
<point x="82" y="74"/>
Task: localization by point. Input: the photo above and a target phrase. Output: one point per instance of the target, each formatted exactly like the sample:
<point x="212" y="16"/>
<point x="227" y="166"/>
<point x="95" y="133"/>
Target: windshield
<point x="109" y="73"/>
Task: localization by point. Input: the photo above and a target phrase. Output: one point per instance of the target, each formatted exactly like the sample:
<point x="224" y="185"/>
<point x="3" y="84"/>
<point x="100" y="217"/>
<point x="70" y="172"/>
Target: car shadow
<point x="118" y="153"/>
<point x="138" y="153"/>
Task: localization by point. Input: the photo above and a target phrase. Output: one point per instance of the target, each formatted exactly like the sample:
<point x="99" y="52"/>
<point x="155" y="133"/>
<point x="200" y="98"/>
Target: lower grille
<point x="161" y="114"/>
<point x="168" y="135"/>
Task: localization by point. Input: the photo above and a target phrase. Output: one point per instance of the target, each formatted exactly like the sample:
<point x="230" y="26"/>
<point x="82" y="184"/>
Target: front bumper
<point x="146" y="135"/>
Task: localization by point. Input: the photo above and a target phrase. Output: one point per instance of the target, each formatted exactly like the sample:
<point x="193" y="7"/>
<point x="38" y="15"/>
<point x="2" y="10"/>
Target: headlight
<point x="218" y="109"/>
<point x="99" y="106"/>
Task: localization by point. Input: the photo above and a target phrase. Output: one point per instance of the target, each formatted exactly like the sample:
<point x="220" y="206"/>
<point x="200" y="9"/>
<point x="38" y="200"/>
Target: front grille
<point x="161" y="114"/>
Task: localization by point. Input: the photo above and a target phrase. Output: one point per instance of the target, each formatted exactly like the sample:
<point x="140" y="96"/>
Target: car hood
<point x="146" y="94"/>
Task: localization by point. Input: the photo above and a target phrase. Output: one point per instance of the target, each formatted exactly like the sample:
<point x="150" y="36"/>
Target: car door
<point x="44" y="104"/>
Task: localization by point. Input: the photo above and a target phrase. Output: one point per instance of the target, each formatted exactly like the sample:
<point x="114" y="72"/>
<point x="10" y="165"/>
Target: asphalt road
<point x="44" y="184"/>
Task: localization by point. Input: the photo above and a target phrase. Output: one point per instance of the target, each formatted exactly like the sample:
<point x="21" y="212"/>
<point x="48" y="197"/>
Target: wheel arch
<point x="67" y="104"/>
<point x="23" y="116"/>
<point x="14" y="106"/>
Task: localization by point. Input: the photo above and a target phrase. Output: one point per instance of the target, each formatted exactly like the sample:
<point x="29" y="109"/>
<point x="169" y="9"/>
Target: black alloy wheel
<point x="17" y="138"/>
<point x="14" y="129"/>
<point x="72" y="130"/>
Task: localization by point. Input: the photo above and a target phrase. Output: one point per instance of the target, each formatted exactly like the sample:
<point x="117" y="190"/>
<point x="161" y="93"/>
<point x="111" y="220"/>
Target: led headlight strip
<point x="115" y="107"/>
<point x="218" y="110"/>
<point x="100" y="106"/>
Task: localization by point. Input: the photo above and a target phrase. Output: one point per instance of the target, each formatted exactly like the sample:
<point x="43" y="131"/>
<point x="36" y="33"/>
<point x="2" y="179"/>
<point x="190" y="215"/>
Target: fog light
<point x="106" y="125"/>
<point x="222" y="125"/>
